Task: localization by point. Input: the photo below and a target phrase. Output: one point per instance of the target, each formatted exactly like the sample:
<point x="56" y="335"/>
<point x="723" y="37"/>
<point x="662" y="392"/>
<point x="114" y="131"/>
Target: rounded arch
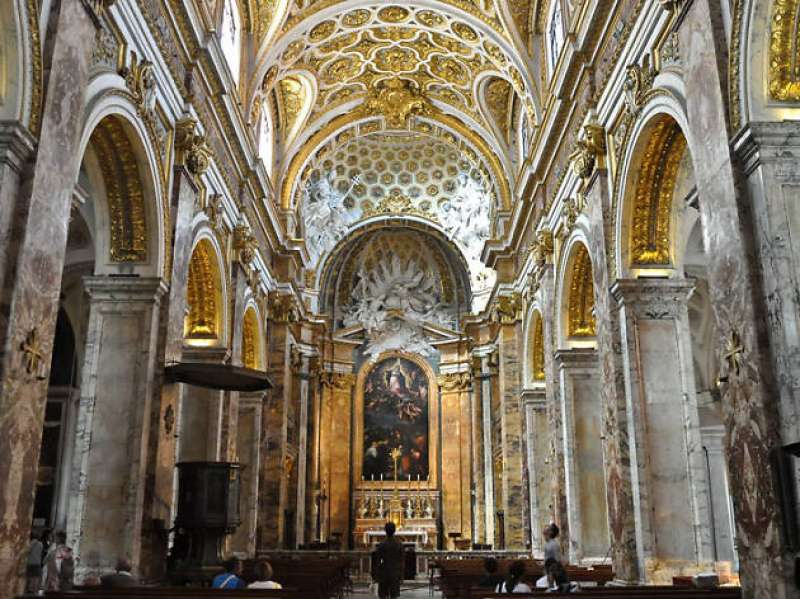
<point x="206" y="295"/>
<point x="534" y="346"/>
<point x="252" y="338"/>
<point x="130" y="222"/>
<point x="334" y="263"/>
<point x="575" y="293"/>
<point x="656" y="169"/>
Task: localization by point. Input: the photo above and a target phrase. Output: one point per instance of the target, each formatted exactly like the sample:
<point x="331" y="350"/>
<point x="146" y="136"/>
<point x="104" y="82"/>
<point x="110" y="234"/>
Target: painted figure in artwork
<point x="396" y="417"/>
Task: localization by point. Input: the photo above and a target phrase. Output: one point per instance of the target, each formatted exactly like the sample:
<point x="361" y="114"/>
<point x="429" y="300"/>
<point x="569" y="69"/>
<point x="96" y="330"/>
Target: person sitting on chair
<point x="231" y="577"/>
<point x="122" y="577"/>
<point x="388" y="562"/>
<point x="490" y="576"/>
<point x="513" y="582"/>
<point x="264" y="577"/>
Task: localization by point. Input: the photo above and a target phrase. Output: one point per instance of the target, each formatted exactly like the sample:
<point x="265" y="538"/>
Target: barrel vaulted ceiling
<point x="452" y="74"/>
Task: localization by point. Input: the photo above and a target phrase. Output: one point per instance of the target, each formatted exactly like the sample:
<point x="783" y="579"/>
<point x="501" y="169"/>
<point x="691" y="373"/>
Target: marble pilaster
<point x="751" y="412"/>
<point x="511" y="430"/>
<point x="616" y="452"/>
<point x="668" y="470"/>
<point x="583" y="453"/>
<point x="301" y="503"/>
<point x="456" y="471"/>
<point x="335" y="459"/>
<point x="108" y="475"/>
<point x="248" y="442"/>
<point x="478" y="490"/>
<point x="537" y="457"/>
<point x="29" y="301"/>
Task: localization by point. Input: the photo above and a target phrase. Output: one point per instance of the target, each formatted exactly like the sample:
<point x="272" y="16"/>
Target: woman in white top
<point x="513" y="583"/>
<point x="263" y="578"/>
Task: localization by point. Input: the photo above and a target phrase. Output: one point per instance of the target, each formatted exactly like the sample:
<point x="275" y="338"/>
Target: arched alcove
<point x="205" y="308"/>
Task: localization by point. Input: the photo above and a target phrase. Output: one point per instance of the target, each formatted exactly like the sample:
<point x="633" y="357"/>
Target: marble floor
<point x="418" y="590"/>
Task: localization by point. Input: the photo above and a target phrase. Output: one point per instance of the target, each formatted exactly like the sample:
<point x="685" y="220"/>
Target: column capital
<point x="17" y="144"/>
<point x="535" y="398"/>
<point x="578" y="358"/>
<point x="125" y="289"/>
<point x="770" y="142"/>
<point x="653" y="299"/>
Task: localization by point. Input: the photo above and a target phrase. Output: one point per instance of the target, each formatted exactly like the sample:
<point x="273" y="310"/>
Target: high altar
<point x="403" y="467"/>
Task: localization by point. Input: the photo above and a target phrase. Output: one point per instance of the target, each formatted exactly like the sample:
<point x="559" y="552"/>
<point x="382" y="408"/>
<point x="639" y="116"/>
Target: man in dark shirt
<point x="388" y="564"/>
<point x="490" y="576"/>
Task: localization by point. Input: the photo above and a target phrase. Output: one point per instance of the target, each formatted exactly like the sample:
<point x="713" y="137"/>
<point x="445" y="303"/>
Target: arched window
<point x="231" y="38"/>
<point x="555" y="34"/>
<point x="264" y="133"/>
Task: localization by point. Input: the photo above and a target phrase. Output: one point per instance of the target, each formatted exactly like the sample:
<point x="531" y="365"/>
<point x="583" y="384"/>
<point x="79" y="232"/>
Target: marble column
<point x="335" y="457"/>
<point x="582" y="434"/>
<point x="166" y="408"/>
<point x="751" y="390"/>
<point x="537" y="457"/>
<point x="301" y="503"/>
<point x="243" y="540"/>
<point x="719" y="499"/>
<point x="616" y="458"/>
<point x="668" y="471"/>
<point x="108" y="479"/>
<point x="482" y="445"/>
<point x="456" y="460"/>
<point x="511" y="423"/>
<point x="273" y="440"/>
<point x="29" y="300"/>
<point x="557" y="505"/>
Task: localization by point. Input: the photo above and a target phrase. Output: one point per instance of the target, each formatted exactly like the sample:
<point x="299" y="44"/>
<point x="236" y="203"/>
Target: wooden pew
<point x="172" y="593"/>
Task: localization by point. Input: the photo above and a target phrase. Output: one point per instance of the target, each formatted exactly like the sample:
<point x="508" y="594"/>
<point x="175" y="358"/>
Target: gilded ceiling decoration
<point x="294" y="98"/>
<point x="784" y="51"/>
<point x="581" y="294"/>
<point x="204" y="294"/>
<point x="498" y="95"/>
<point x="122" y="179"/>
<point x="655" y="187"/>
<point x="521" y="14"/>
<point x="441" y="55"/>
<point x="251" y="340"/>
<point x="432" y="176"/>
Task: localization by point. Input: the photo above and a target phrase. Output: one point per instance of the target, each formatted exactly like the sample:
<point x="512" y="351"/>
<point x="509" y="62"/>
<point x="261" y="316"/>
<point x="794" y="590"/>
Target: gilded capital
<point x="455" y="381"/>
<point x="508" y="308"/>
<point x="543" y="248"/>
<point x="590" y="146"/>
<point x="141" y="81"/>
<point x="244" y="242"/>
<point x="283" y="308"/>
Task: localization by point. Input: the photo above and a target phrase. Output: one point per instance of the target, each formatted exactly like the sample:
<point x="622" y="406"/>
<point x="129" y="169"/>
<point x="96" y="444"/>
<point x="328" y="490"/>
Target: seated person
<point x="513" y="582"/>
<point x="231" y="577"/>
<point x="264" y="577"/>
<point x="557" y="579"/>
<point x="544" y="581"/>
<point x="490" y="577"/>
<point x="122" y="577"/>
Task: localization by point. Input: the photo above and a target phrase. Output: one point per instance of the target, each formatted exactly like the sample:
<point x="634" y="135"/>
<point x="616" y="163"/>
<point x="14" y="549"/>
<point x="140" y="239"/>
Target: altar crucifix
<point x="395" y="455"/>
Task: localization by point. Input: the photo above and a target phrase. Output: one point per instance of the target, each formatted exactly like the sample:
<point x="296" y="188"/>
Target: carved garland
<point x="122" y="180"/>
<point x="784" y="67"/>
<point x="204" y="295"/>
<point x="581" y="295"/>
<point x="652" y="209"/>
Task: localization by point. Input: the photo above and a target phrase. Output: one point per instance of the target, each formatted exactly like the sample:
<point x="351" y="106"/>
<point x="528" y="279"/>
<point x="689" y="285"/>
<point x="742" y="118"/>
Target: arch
<point x="653" y="169"/>
<point x="205" y="317"/>
<point x="130" y="225"/>
<point x="534" y="351"/>
<point x="580" y="304"/>
<point x="20" y="64"/>
<point x="334" y="262"/>
<point x="252" y="341"/>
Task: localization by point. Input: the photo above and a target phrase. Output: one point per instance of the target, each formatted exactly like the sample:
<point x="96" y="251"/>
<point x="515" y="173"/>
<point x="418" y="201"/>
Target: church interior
<point x="277" y="272"/>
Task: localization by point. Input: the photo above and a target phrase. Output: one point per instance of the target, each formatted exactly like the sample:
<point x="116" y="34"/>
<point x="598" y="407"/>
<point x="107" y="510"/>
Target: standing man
<point x="388" y="564"/>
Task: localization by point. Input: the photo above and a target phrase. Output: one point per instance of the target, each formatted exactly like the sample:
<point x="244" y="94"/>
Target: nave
<point x="278" y="273"/>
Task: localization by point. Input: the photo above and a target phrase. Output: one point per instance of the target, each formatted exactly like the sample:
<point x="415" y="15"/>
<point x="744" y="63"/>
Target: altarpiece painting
<point x="396" y="404"/>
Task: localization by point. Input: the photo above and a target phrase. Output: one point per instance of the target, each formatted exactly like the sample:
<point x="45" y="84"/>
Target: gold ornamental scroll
<point x="456" y="459"/>
<point x="337" y="393"/>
